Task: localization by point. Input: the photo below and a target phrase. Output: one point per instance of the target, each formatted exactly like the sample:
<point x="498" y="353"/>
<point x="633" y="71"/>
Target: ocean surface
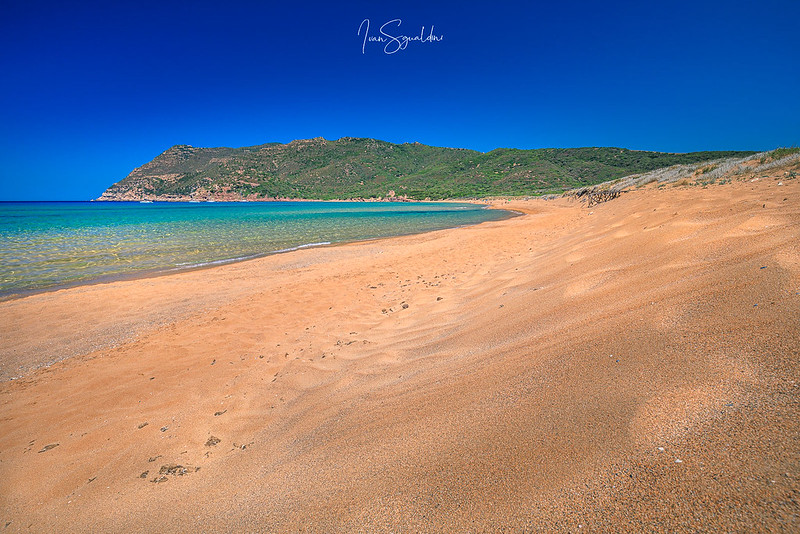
<point x="51" y="244"/>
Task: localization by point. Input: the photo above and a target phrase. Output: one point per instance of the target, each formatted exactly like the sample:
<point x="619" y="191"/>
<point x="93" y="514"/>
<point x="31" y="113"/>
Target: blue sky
<point x="92" y="90"/>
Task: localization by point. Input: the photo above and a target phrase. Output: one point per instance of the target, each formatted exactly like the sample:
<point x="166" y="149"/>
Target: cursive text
<point x="390" y="39"/>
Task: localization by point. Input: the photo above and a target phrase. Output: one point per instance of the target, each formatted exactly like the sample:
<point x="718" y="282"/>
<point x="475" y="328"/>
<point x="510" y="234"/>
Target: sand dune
<point x="626" y="367"/>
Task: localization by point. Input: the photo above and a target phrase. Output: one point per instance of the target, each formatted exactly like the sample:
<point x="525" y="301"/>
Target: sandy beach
<point x="633" y="366"/>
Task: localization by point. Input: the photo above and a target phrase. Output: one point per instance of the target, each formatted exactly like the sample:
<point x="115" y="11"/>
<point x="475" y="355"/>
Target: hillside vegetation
<point x="352" y="168"/>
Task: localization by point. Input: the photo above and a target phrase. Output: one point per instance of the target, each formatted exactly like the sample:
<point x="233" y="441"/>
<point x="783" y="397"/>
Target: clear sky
<point x="91" y="90"/>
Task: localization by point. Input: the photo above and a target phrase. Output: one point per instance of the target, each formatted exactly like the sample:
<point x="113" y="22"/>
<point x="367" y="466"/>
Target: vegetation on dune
<point x="368" y="168"/>
<point x="703" y="174"/>
<point x="779" y="153"/>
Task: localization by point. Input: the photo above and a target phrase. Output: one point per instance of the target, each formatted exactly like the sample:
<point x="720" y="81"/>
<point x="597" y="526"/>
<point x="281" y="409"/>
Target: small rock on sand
<point x="172" y="469"/>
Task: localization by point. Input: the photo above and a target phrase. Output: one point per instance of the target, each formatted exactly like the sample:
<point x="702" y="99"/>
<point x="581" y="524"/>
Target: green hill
<point x="352" y="168"/>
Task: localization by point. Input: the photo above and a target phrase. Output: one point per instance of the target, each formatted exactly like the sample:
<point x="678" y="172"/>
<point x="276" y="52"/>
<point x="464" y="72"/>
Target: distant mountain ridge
<point x="362" y="168"/>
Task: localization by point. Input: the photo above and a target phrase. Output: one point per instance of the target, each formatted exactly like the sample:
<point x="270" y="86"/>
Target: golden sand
<point x="633" y="366"/>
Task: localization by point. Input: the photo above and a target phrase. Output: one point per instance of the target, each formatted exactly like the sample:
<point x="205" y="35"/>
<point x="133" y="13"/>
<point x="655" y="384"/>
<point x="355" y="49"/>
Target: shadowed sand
<point x="632" y="366"/>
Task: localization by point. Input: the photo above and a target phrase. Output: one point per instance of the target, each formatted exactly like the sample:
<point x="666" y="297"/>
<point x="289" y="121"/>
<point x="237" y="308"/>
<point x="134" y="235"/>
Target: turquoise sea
<point x="52" y="244"/>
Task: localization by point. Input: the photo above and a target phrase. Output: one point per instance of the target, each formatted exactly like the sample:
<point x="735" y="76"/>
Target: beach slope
<point x="626" y="367"/>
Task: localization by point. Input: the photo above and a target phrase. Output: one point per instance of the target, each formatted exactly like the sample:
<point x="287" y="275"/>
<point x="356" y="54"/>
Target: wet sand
<point x="634" y="366"/>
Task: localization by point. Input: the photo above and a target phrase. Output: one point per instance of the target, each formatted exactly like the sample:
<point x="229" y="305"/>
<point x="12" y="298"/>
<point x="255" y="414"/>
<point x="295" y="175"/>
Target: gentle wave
<point x="181" y="266"/>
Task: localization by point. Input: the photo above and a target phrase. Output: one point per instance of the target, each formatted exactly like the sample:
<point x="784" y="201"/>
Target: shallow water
<point x="50" y="244"/>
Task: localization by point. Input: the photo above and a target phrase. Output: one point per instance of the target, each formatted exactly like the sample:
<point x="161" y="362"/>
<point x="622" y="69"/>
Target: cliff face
<point x="367" y="168"/>
<point x="150" y="181"/>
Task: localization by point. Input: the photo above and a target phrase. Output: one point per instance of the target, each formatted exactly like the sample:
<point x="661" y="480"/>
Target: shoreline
<point x="626" y="366"/>
<point x="13" y="294"/>
<point x="134" y="277"/>
<point x="154" y="273"/>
